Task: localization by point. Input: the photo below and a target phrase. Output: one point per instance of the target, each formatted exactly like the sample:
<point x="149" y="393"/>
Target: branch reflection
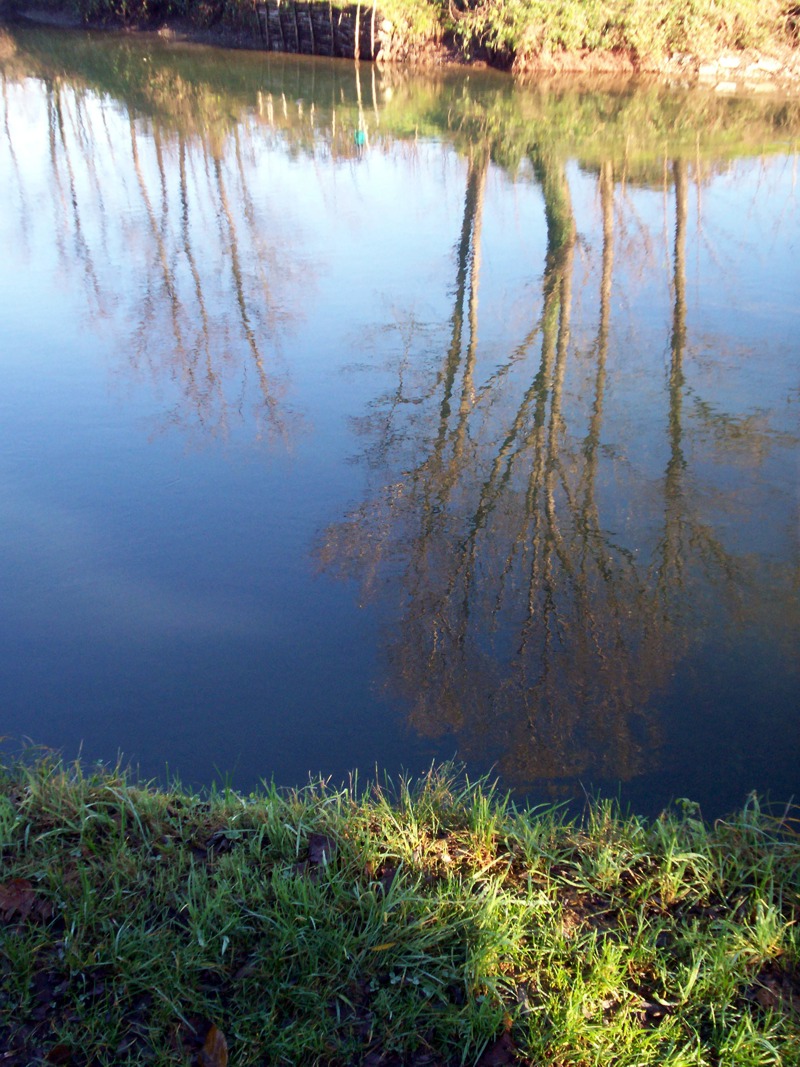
<point x="530" y="627"/>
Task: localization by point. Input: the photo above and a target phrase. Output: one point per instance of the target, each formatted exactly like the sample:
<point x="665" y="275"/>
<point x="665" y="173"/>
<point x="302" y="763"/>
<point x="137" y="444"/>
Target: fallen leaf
<point x="214" y="1052"/>
<point x="17" y="897"/>
<point x="59" y="1054"/>
<point x="500" y="1054"/>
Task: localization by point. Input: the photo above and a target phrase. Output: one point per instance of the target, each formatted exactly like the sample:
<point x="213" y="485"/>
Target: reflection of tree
<point x="673" y="555"/>
<point x="575" y="676"/>
<point x="209" y="300"/>
<point x="207" y="344"/>
<point x="60" y="158"/>
<point x="514" y="619"/>
<point x="691" y="553"/>
<point x="528" y="625"/>
<point x="528" y="629"/>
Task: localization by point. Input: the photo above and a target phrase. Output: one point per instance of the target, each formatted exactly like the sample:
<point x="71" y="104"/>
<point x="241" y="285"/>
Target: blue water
<point x="297" y="479"/>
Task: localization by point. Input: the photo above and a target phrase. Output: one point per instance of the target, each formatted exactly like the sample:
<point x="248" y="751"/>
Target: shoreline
<point x="744" y="71"/>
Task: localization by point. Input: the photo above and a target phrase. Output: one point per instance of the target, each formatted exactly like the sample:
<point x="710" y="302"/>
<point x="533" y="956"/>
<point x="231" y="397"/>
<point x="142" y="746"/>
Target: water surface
<point x="351" y="419"/>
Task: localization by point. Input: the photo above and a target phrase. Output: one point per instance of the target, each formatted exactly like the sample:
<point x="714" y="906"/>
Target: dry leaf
<point x="59" y="1054"/>
<point x="214" y="1052"/>
<point x="17" y="897"/>
<point x="500" y="1054"/>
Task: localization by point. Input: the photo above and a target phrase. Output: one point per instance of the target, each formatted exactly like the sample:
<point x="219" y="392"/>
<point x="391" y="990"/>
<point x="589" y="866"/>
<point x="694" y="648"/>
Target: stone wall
<point x="354" y="32"/>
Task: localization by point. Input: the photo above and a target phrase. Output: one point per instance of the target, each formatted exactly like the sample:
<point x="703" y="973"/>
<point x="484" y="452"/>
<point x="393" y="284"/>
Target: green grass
<point x="431" y="923"/>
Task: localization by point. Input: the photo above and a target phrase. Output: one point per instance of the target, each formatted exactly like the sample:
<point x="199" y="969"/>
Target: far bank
<point x="729" y="46"/>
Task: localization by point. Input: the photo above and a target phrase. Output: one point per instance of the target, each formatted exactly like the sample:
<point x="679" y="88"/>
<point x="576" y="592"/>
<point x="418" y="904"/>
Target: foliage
<point x="202" y="13"/>
<point x="130" y="10"/>
<point x="191" y="92"/>
<point x="644" y="28"/>
<point x="430" y="921"/>
<point x="416" y="20"/>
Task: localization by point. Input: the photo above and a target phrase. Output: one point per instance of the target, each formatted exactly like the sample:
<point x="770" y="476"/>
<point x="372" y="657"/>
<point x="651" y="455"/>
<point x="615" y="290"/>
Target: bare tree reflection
<point x="691" y="554"/>
<point x="255" y="311"/>
<point x="211" y="321"/>
<point x="532" y="625"/>
<point x="527" y="628"/>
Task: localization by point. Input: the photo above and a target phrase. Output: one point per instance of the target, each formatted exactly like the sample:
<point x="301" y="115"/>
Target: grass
<point x="431" y="923"/>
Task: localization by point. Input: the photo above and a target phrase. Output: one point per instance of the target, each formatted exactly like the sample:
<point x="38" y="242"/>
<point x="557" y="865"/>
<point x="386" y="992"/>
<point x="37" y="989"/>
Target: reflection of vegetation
<point x="529" y="627"/>
<point x="209" y="315"/>
<point x="524" y="31"/>
<point x="184" y="108"/>
<point x="192" y="88"/>
<point x="193" y="105"/>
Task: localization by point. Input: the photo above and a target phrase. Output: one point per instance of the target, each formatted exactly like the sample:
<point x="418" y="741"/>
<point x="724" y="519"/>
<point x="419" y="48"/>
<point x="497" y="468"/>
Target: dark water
<point x="353" y="419"/>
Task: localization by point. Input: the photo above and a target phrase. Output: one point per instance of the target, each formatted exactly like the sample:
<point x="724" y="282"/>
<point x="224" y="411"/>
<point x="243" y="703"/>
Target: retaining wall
<point x="355" y="32"/>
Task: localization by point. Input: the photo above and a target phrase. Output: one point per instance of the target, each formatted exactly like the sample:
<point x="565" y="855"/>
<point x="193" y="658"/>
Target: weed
<point x="417" y="919"/>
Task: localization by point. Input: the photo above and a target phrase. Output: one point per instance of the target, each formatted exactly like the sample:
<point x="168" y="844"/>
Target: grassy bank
<point x="438" y="925"/>
<point x="527" y="34"/>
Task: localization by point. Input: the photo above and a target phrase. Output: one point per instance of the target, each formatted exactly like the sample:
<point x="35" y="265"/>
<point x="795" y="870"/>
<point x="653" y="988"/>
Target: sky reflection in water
<point x="479" y="439"/>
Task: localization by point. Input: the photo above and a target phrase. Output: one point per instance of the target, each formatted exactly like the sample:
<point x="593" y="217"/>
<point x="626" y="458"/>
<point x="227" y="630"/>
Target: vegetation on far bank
<point x="191" y="93"/>
<point x="524" y="33"/>
<point x="429" y="924"/>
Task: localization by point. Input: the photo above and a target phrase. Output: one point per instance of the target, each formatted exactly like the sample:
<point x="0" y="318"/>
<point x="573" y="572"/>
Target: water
<point x="352" y="419"/>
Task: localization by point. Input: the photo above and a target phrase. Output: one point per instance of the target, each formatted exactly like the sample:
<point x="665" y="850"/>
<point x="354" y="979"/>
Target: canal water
<point x="355" y="420"/>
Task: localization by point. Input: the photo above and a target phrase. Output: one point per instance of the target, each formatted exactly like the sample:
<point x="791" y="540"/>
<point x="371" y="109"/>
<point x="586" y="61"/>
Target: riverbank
<point x="429" y="924"/>
<point x="729" y="45"/>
